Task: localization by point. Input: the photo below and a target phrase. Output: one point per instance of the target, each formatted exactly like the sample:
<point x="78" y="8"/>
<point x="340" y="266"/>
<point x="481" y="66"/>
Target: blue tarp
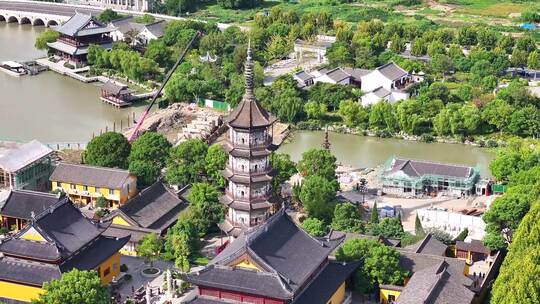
<point x="529" y="26"/>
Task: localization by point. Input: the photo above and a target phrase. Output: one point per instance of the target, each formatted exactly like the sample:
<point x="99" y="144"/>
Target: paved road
<point x="46" y="8"/>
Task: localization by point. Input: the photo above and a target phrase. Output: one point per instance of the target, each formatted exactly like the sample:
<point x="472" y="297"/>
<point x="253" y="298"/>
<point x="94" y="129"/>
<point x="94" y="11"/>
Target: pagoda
<point x="248" y="195"/>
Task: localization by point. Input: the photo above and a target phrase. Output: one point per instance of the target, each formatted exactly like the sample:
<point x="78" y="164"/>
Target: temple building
<point x="248" y="195"/>
<point x="276" y="262"/>
<point x="86" y="184"/>
<point x="76" y="36"/>
<point x="17" y="207"/>
<point x="55" y="241"/>
<point x="154" y="210"/>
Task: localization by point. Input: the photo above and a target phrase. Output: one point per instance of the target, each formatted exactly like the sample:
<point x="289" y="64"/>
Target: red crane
<point x="158" y="93"/>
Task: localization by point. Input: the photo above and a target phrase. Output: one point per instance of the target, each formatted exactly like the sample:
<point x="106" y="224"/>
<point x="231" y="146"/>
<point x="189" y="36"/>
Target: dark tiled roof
<point x="156" y="207"/>
<point x="68" y="228"/>
<point x="473" y="246"/>
<point x="337" y="74"/>
<point x="30" y="249"/>
<point x="32" y="273"/>
<point x="249" y="114"/>
<point x="94" y="253"/>
<point x="90" y="175"/>
<point x="282" y="247"/>
<point x="414" y="262"/>
<point x="303" y="75"/>
<point x="429" y="245"/>
<point x="392" y="71"/>
<point x="77" y="26"/>
<point x="135" y="234"/>
<point x="21" y="203"/>
<point x="239" y="279"/>
<point x="11" y="301"/>
<point x="326" y="283"/>
<point x="157" y="28"/>
<point x="434" y="285"/>
<point x="381" y="92"/>
<point x="115" y="88"/>
<point x="356" y="73"/>
<point x="417" y="168"/>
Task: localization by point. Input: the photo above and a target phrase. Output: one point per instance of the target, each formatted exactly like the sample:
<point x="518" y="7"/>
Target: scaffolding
<point x="399" y="183"/>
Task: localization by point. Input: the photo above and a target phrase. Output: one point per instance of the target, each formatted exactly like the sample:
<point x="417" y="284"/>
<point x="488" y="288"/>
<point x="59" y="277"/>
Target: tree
<point x="108" y="15"/>
<point x="318" y="196"/>
<point x="315" y="110"/>
<point x="186" y="162"/>
<point x="182" y="240"/>
<point x="517" y="281"/>
<point x="148" y="156"/>
<point x="339" y="54"/>
<point x="398" y="44"/>
<point x="374" y="216"/>
<point x="319" y="162"/>
<point x="442" y="64"/>
<point x="347" y="218"/>
<point x="179" y="7"/>
<point x="215" y="161"/>
<point x="525" y="122"/>
<point x="205" y="205"/>
<point x="380" y="263"/>
<point x="278" y="47"/>
<point x="389" y="227"/>
<point x="533" y="61"/>
<point x="382" y="116"/>
<point x="110" y="149"/>
<point x="284" y="167"/>
<point x="150" y="248"/>
<point x="419" y="47"/>
<point x="157" y="51"/>
<point x="440" y="235"/>
<point x="352" y="113"/>
<point x="462" y="235"/>
<point x="76" y="286"/>
<point x="418" y="229"/>
<point x="315" y="227"/>
<point x="331" y="94"/>
<point x="48" y="36"/>
<point x="498" y="114"/>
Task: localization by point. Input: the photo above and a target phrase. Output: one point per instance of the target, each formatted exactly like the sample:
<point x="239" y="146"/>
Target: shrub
<point x="427" y="138"/>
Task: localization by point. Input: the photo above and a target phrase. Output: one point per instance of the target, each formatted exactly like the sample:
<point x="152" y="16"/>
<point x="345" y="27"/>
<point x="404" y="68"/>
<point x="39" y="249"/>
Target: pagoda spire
<point x="248" y="71"/>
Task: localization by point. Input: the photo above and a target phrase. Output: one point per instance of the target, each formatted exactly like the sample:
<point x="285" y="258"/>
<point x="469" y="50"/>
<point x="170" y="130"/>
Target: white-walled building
<point x="388" y="82"/>
<point x="142" y="33"/>
<point x="453" y="223"/>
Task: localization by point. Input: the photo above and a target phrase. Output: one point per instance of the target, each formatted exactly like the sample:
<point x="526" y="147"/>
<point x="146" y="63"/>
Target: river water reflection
<point x="48" y="107"/>
<point x="363" y="151"/>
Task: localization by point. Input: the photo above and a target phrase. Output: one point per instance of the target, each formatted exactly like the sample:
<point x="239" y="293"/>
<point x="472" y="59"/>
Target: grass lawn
<point x="491" y="7"/>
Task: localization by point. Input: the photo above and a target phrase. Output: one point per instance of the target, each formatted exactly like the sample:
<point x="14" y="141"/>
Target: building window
<point x="72" y="186"/>
<point x="106" y="271"/>
<point x="111" y="191"/>
<point x="85" y="188"/>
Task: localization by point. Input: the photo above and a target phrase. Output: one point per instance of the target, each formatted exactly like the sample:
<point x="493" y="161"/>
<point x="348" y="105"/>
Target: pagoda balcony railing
<point x="243" y="224"/>
<point x="247" y="198"/>
<point x="247" y="172"/>
<point x="253" y="144"/>
<point x="77" y="43"/>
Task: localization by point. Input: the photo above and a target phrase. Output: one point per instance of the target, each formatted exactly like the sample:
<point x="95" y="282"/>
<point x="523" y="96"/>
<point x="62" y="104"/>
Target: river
<point x="48" y="107"/>
<point x="367" y="152"/>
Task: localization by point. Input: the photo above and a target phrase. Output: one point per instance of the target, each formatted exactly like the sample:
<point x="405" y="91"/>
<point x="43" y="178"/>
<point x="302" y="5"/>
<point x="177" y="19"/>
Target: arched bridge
<point x="40" y="13"/>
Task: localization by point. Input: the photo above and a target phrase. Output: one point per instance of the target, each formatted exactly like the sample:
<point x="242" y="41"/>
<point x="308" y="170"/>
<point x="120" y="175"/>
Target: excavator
<point x="135" y="132"/>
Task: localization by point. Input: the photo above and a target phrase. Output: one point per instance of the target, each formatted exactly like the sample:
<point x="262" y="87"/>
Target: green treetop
<point x="215" y="160"/>
<point x="110" y="149"/>
<point x="315" y="227"/>
<point x="318" y="196"/>
<point x="76" y="286"/>
<point x="150" y="248"/>
<point x="186" y="163"/>
<point x="347" y="218"/>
